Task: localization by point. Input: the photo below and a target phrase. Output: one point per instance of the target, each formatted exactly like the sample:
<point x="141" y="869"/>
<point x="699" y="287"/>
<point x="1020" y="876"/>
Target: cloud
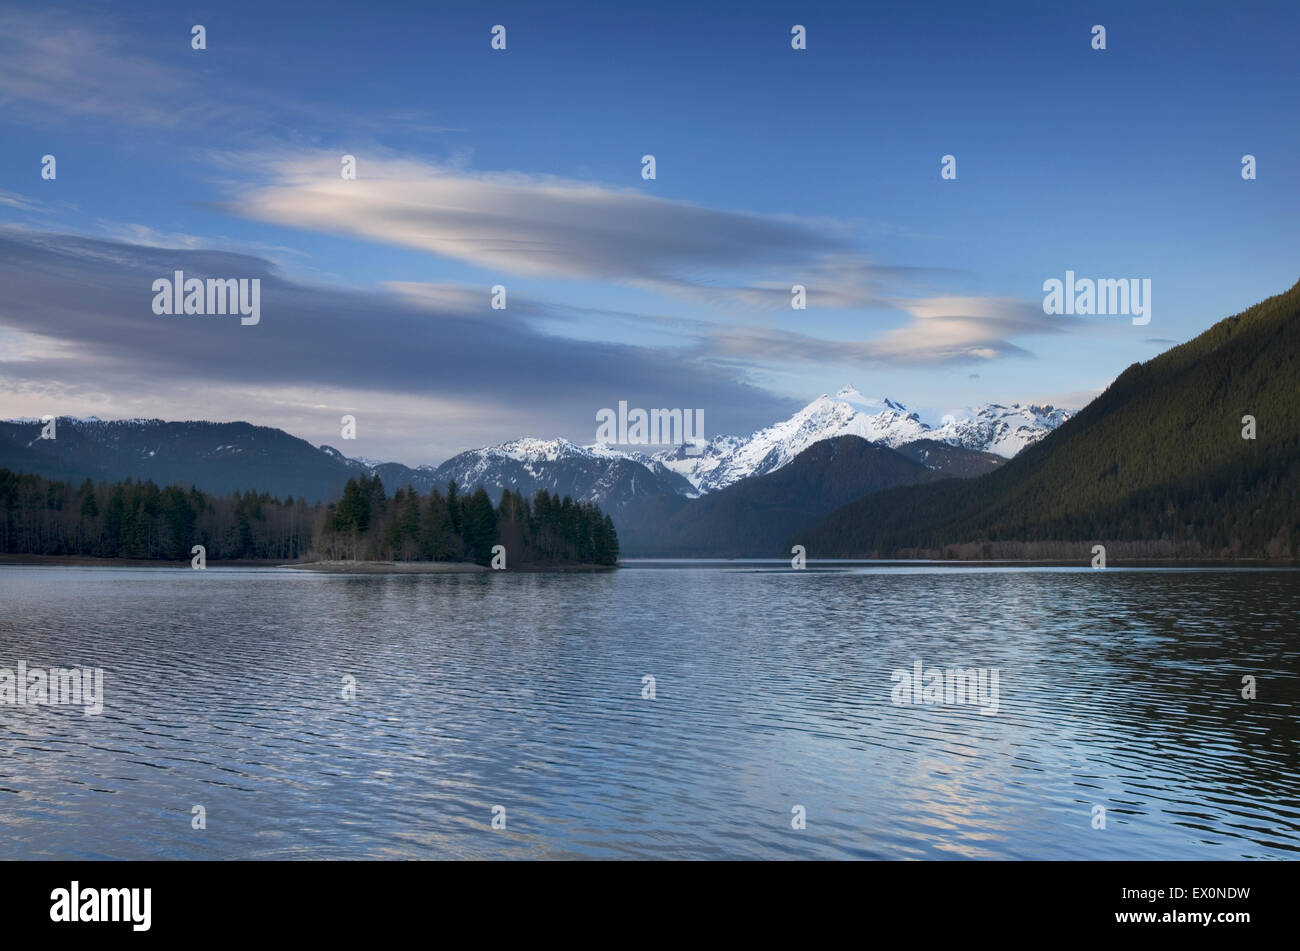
<point x="77" y="66"/>
<point x="835" y="280"/>
<point x="20" y="202"/>
<point x="535" y="225"/>
<point x="87" y="65"/>
<point x="515" y="224"/>
<point x="943" y="330"/>
<point x="83" y="308"/>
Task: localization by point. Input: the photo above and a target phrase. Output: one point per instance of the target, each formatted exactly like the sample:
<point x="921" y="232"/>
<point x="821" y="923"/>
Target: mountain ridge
<point x="996" y="428"/>
<point x="753" y="517"/>
<point x="724" y="461"/>
<point x="1156" y="466"/>
<point x="646" y="494"/>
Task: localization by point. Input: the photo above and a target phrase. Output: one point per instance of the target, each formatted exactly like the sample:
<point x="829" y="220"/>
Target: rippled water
<point x="1119" y="689"/>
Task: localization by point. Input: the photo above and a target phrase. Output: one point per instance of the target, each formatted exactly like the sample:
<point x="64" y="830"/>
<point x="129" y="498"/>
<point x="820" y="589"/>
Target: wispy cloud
<point x="83" y="306"/>
<point x="19" y="202"/>
<point x="942" y="330"/>
<point x="535" y="225"/>
<point x="511" y="224"/>
<point x="82" y="66"/>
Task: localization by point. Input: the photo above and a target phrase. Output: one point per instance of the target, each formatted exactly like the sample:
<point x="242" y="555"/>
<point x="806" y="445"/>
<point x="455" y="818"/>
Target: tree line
<point x="367" y="525"/>
<point x="130" y="519"/>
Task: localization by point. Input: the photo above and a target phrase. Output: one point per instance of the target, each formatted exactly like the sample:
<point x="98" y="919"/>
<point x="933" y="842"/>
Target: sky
<point x="522" y="167"/>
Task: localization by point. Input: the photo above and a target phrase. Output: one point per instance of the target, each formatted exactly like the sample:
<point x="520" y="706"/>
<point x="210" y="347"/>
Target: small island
<point x="365" y="530"/>
<point x="368" y="528"/>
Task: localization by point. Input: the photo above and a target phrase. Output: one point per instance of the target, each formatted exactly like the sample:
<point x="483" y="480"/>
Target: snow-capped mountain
<point x="638" y="493"/>
<point x="586" y="472"/>
<point x="728" y="459"/>
<point x="557" y="465"/>
<point x="529" y="455"/>
<point x="1004" y="430"/>
<point x="640" y="487"/>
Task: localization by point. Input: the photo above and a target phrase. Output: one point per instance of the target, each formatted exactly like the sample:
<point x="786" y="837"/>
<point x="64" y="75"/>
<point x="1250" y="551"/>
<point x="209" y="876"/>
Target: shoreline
<point x="387" y="567"/>
<point x="431" y="567"/>
<point x="92" y="561"/>
<point x="454" y="567"/>
<point x="336" y="567"/>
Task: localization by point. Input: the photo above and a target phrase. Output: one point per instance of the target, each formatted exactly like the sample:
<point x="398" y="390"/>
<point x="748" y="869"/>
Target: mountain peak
<point x="993" y="428"/>
<point x="848" y="393"/>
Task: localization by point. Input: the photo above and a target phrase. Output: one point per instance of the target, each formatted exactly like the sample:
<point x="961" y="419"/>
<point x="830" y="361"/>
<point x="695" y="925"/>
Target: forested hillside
<point x="1157" y="462"/>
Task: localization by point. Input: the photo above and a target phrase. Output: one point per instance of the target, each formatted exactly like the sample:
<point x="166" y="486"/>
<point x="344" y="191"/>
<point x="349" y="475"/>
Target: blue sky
<point x="522" y="167"/>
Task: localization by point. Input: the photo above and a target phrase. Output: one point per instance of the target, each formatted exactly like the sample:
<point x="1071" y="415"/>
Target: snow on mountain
<point x="701" y="470"/>
<point x="564" y="465"/>
<point x="639" y="494"/>
<point x="727" y="459"/>
<point x="357" y="463"/>
<point x="529" y="451"/>
<point x="587" y="471"/>
<point x="1004" y="430"/>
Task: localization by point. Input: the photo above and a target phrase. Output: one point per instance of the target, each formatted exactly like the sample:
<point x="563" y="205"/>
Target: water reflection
<point x="223" y="689"/>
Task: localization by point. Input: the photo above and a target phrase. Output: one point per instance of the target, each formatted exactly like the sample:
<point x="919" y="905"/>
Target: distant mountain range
<point x="654" y="498"/>
<point x="1159" y="465"/>
<point x="997" y="429"/>
<point x="215" y="457"/>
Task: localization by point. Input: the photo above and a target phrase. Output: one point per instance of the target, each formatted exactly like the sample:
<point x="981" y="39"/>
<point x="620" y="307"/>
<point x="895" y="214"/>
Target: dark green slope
<point x="216" y="457"/>
<point x="753" y="517"/>
<point x="1155" y="466"/>
<point x="950" y="460"/>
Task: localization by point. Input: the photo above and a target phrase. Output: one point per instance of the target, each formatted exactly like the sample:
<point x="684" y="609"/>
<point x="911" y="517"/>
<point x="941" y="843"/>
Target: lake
<point x="773" y="690"/>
